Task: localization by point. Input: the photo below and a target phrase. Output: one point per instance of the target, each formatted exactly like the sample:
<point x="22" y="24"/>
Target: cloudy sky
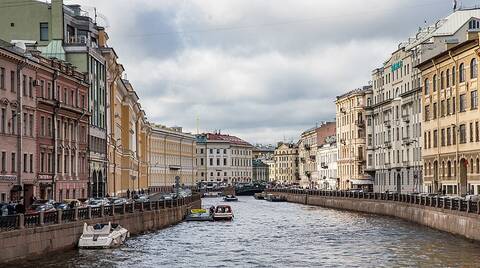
<point x="263" y="70"/>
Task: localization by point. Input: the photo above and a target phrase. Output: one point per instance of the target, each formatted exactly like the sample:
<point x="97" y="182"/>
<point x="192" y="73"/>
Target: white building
<point x="223" y="159"/>
<point x="327" y="155"/>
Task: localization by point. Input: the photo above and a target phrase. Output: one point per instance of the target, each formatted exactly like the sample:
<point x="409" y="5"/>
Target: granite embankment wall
<point x="462" y="220"/>
<point x="40" y="240"/>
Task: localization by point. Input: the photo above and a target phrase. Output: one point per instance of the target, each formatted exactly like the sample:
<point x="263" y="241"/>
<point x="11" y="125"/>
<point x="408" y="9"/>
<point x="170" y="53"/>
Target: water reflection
<point x="266" y="234"/>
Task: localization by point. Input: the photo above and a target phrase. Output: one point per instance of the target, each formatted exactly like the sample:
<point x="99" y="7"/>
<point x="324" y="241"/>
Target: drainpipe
<point x="457" y="127"/>
<point x="19" y="119"/>
<point x="54" y="134"/>
<point x="437" y="117"/>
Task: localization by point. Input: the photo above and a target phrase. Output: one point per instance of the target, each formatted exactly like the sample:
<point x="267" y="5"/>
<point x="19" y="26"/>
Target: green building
<point x="68" y="33"/>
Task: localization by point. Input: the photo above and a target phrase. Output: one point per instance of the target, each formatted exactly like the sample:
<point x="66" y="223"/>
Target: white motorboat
<point x="102" y="236"/>
<point x="223" y="213"/>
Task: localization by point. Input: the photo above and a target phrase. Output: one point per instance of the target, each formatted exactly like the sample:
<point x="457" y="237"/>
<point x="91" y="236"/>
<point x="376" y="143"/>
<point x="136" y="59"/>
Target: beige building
<point x="126" y="130"/>
<point x="451" y="118"/>
<point x="286" y="164"/>
<point x="171" y="154"/>
<point x="223" y="159"/>
<point x="350" y="119"/>
<point x="307" y="152"/>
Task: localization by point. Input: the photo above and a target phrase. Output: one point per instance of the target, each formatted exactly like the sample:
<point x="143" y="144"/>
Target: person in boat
<point x="212" y="209"/>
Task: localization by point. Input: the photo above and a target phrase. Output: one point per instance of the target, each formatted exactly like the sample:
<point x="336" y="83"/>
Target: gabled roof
<point x="226" y="138"/>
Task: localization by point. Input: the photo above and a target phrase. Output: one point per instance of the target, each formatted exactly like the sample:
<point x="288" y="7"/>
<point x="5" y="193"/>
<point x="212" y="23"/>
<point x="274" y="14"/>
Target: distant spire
<point x="454" y="5"/>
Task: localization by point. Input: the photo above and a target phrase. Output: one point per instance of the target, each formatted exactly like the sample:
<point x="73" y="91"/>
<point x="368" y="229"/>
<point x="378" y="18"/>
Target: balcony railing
<point x="77" y="40"/>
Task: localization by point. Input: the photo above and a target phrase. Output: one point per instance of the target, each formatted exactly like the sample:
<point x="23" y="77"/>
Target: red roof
<point x="227" y="138"/>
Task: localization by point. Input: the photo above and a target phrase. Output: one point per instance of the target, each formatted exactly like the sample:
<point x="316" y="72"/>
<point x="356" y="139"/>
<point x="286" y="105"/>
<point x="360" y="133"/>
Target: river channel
<point x="266" y="234"/>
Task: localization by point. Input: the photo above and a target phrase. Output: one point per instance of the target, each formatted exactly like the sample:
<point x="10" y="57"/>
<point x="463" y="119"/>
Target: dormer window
<point x="474" y="25"/>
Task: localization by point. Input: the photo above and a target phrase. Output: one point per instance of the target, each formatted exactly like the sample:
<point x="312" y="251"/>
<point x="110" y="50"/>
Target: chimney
<point x="57" y="20"/>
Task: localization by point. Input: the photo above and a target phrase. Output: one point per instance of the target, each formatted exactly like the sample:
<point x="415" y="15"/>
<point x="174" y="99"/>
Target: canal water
<point x="266" y="234"/>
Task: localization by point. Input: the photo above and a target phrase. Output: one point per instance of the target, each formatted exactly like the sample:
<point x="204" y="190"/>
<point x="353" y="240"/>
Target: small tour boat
<point x="199" y="214"/>
<point x="102" y="236"/>
<point x="229" y="198"/>
<point x="275" y="198"/>
<point x="223" y="213"/>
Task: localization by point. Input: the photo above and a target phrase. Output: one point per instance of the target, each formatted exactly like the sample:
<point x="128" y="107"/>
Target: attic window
<point x="473" y="25"/>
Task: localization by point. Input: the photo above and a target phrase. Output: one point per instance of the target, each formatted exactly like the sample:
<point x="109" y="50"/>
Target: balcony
<point x="388" y="144"/>
<point x="174" y="167"/>
<point x="360" y="123"/>
<point x="77" y="40"/>
<point x="387" y="123"/>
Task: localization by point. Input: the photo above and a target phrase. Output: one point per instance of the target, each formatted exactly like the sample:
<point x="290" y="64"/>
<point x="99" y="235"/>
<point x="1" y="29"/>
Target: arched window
<point x="473" y="68"/>
<point x="453" y="75"/>
<point x="478" y="166"/>
<point x="434" y="82"/>
<point x="461" y="73"/>
<point x="449" y="169"/>
<point x="443" y="169"/>
<point x="448" y="77"/>
<point x="471" y="165"/>
<point x="442" y="80"/>
<point x="426" y="85"/>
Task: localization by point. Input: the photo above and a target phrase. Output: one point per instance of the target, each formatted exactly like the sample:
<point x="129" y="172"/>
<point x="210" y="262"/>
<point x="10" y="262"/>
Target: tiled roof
<point x="226" y="138"/>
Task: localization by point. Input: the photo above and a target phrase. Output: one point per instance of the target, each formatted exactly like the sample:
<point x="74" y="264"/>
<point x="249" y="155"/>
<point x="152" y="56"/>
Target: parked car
<point x="118" y="201"/>
<point x="472" y="197"/>
<point x="142" y="198"/>
<point x="39" y="207"/>
<point x="96" y="202"/>
<point x="61" y="205"/>
<point x="74" y="202"/>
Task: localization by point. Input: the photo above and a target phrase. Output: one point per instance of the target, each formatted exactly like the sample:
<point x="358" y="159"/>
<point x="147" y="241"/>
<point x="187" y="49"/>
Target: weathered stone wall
<point x="32" y="242"/>
<point x="456" y="222"/>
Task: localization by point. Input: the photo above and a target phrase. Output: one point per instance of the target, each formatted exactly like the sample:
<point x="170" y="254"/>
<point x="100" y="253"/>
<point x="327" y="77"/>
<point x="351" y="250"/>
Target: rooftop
<point x="223" y="138"/>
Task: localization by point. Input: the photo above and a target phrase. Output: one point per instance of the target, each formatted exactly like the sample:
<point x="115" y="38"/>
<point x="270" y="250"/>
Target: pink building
<point x="43" y="127"/>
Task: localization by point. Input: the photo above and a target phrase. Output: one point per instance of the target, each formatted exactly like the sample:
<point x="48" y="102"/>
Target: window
<point x="24" y="85"/>
<point x="42" y="162"/>
<point x="12" y="81"/>
<point x="435" y="138"/>
<point x="454" y="105"/>
<point x="2" y="78"/>
<point x="24" y="162"/>
<point x="461" y="73"/>
<point x="453" y="75"/>
<point x="473" y="68"/>
<point x="454" y="135"/>
<point x="442" y="80"/>
<point x="448" y="106"/>
<point x="43" y="31"/>
<point x="426" y="86"/>
<point x="463" y="134"/>
<point x="4" y="161"/>
<point x="477" y="137"/>
<point x="471" y="132"/>
<point x="31" y="163"/>
<point x="442" y="137"/>
<point x="30" y="116"/>
<point x="211" y="161"/>
<point x="3" y="118"/>
<point x="30" y="87"/>
<point x="42" y="126"/>
<point x="449" y="138"/>
<point x="463" y="103"/>
<point x="434" y="110"/>
<point x="434" y="81"/>
<point x="14" y="163"/>
<point x="427" y="112"/>
<point x="448" y="78"/>
<point x="473" y="100"/>
<point x="218" y="161"/>
<point x="442" y="108"/>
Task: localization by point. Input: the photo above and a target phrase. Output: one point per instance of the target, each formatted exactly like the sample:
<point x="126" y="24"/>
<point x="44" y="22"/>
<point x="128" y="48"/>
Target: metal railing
<point x="450" y="203"/>
<point x="20" y="221"/>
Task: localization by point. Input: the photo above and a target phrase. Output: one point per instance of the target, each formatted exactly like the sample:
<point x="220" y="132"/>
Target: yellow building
<point x="451" y="117"/>
<point x="351" y="139"/>
<point x="171" y="154"/>
<point x="127" y="130"/>
<point x="286" y="164"/>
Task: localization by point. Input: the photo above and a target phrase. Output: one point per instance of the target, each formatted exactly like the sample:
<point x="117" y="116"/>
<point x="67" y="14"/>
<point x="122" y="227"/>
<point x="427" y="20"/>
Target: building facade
<point x="223" y="159"/>
<point x="451" y="117"/>
<point x="350" y="120"/>
<point x="307" y="152"/>
<point x="68" y="33"/>
<point x="171" y="154"/>
<point x="260" y="170"/>
<point x="44" y="119"/>
<point x="327" y="155"/>
<point x="286" y="164"/>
